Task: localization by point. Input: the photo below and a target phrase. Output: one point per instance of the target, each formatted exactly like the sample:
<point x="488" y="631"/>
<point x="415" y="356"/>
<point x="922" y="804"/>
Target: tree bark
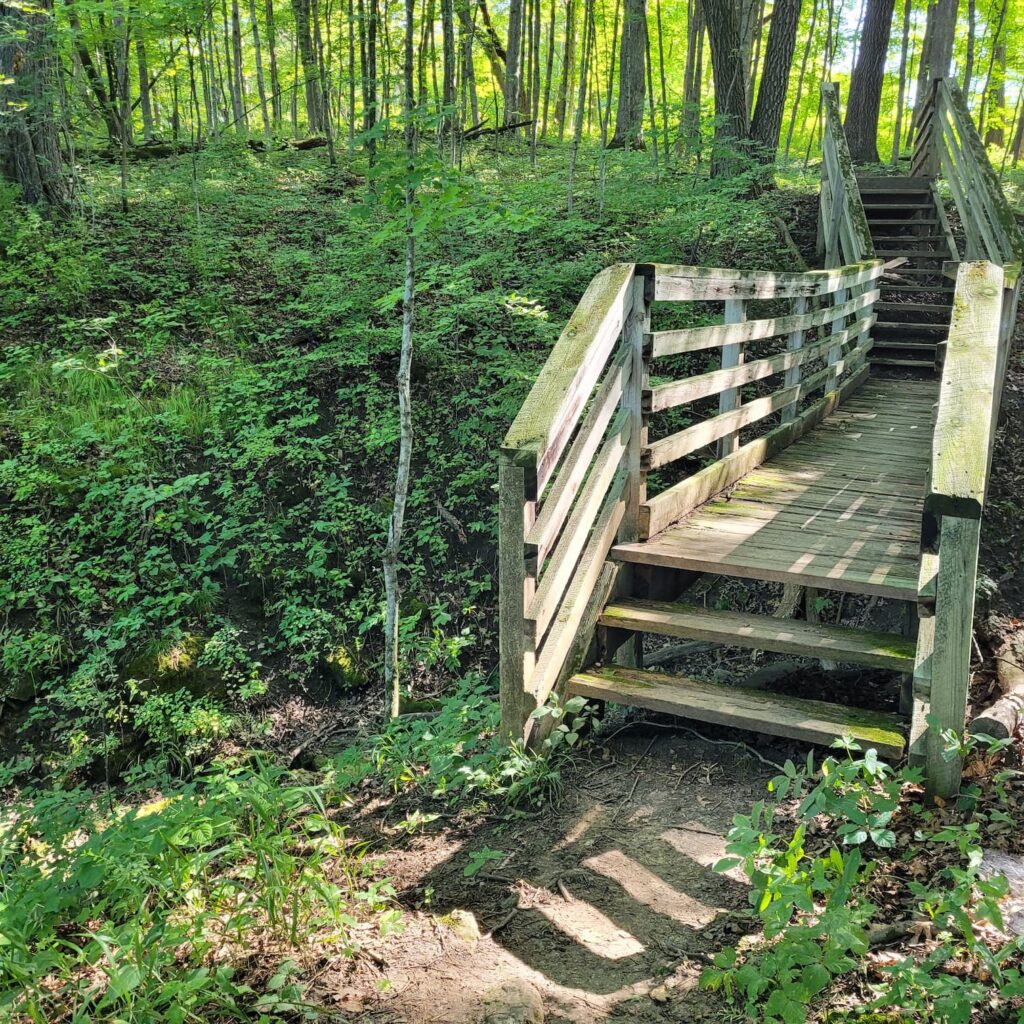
<point x="862" y="110"/>
<point x="261" y="84"/>
<point x="730" y="73"/>
<point x="629" y="116"/>
<point x="275" y="85"/>
<point x="310" y="70"/>
<point x="766" y="126"/>
<point x="568" y="65"/>
<point x="800" y="78"/>
<point x="144" y="97"/>
<point x="689" y="117"/>
<point x="30" y="152"/>
<point x="513" y="62"/>
<point x="236" y="48"/>
<point x="901" y="93"/>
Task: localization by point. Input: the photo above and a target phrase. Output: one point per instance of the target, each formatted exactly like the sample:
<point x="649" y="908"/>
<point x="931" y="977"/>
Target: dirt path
<point x="604" y="908"/>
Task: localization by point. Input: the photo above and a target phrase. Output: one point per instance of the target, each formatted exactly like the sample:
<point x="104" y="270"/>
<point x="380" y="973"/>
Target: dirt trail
<point x="606" y="907"/>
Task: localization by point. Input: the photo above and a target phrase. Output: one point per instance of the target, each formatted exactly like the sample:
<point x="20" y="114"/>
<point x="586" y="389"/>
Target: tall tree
<point x="728" y="61"/>
<point x="513" y="61"/>
<point x="862" y="110"/>
<point x="689" y="117"/>
<point x="310" y="66"/>
<point x="629" y="117"/>
<point x="766" y="125"/>
<point x="30" y="151"/>
<point x="800" y="77"/>
<point x="568" y="67"/>
<point x="901" y="91"/>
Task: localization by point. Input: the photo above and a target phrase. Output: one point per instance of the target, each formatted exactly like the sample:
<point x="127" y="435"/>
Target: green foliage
<point x="816" y="911"/>
<point x="144" y="912"/>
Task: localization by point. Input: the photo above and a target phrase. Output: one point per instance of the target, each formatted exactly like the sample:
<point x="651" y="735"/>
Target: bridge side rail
<point x="572" y="469"/>
<point x="962" y="444"/>
<point x="844" y="236"/>
<point x="568" y="490"/>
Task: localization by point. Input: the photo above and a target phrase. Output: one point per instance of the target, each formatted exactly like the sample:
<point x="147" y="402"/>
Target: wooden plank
<point x="637" y="325"/>
<point x="675" y="446"/>
<point x="896" y="578"/>
<point x="555" y="576"/>
<point x="698" y="339"/>
<point x="794" y="346"/>
<point x="964" y="426"/>
<point x="949" y="665"/>
<point x="556" y="504"/>
<point x="732" y="357"/>
<point x="690" y="284"/>
<point x="775" y="714"/>
<point x="676" y="501"/>
<point x="667" y="396"/>
<point x="547" y="418"/>
<point x="514" y="658"/>
<point x="561" y="638"/>
<point x="763" y="633"/>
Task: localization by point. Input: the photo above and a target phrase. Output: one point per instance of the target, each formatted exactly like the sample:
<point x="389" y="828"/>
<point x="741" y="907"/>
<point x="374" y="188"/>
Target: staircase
<point x="908" y="223"/>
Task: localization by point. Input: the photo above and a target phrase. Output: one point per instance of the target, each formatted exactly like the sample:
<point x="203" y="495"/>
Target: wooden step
<point x="874" y="222"/>
<point x="901" y="204"/>
<point x="904" y="289"/>
<point x="812" y="721"/>
<point x="906" y="327"/>
<point x="911" y="254"/>
<point x="895" y="183"/>
<point x="911" y="307"/>
<point x="890" y="344"/>
<point x="763" y="633"/>
<point x="910" y="238"/>
<point x="917" y="364"/>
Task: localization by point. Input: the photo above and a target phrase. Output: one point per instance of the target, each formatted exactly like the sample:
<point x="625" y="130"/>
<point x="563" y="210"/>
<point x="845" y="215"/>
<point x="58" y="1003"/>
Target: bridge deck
<point x="840" y="509"/>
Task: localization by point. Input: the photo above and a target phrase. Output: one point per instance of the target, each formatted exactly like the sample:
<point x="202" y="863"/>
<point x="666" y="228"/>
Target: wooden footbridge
<point x="831" y="431"/>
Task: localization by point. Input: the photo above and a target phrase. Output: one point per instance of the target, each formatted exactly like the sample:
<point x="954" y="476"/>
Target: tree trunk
<point x="236" y="48"/>
<point x="730" y="73"/>
<point x="392" y="680"/>
<point x="549" y="71"/>
<point x="581" y="103"/>
<point x="689" y="118"/>
<point x="766" y="126"/>
<point x="901" y="93"/>
<point x="30" y="153"/>
<point x="261" y="83"/>
<point x="629" y="117"/>
<point x="800" y="78"/>
<point x="996" y="134"/>
<point x="144" y="97"/>
<point x="310" y="70"/>
<point x="862" y="110"/>
<point x="513" y="64"/>
<point x="448" y="61"/>
<point x="937" y="49"/>
<point x="972" y="32"/>
<point x="275" y="84"/>
<point x="568" y="65"/>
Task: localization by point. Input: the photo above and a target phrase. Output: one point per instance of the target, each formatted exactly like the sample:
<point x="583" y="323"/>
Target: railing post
<point x="838" y="326"/>
<point x="515" y="655"/>
<point x="636" y="326"/>
<point x="732" y="355"/>
<point x="794" y="343"/>
<point x="951" y="653"/>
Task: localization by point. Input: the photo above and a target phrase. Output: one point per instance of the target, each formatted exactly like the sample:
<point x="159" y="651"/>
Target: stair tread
<point x="911" y="307"/>
<point x="813" y="721"/>
<point x="902" y="289"/>
<point x="888" y="222"/>
<point x="899" y="204"/>
<point x="893" y="183"/>
<point x="763" y="633"/>
<point x="907" y="325"/>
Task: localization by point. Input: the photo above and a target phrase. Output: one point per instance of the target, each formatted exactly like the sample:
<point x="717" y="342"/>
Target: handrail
<point x="946" y="139"/>
<point x="962" y="443"/>
<point x="573" y="466"/>
<point x="844" y="234"/>
<point x="567" y="491"/>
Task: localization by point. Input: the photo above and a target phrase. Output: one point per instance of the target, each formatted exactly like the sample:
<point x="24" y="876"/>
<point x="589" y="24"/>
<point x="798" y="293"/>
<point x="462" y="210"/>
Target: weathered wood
<point x="855" y="646"/>
<point x="794" y="346"/>
<point x="663" y="509"/>
<point x="696" y="339"/>
<point x="699" y="284"/>
<point x="964" y="427"/>
<point x="555" y="576"/>
<point x="551" y="411"/>
<point x="637" y="325"/>
<point x="732" y="357"/>
<point x="571" y="473"/>
<point x="667" y="396"/>
<point x="675" y="446"/>
<point x="777" y="715"/>
<point x="515" y="660"/>
<point x="560" y="639"/>
<point x="949" y="665"/>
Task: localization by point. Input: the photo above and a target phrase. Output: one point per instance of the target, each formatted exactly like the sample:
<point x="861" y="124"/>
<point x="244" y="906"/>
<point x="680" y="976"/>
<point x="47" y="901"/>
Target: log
<point x="1002" y="719"/>
<point x="476" y="133"/>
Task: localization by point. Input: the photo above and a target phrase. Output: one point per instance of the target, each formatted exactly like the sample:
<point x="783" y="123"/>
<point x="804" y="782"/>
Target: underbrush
<point x="168" y="910"/>
<point x="847" y="860"/>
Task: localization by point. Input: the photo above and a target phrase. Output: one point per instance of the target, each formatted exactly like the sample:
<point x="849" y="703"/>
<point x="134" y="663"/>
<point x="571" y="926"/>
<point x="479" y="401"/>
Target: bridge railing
<point x="947" y="141"/>
<point x="573" y="467"/>
<point x="568" y="481"/>
<point x="844" y="236"/>
<point x="965" y="426"/>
